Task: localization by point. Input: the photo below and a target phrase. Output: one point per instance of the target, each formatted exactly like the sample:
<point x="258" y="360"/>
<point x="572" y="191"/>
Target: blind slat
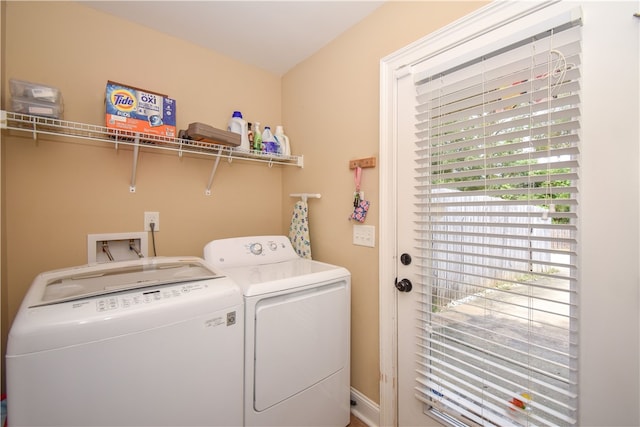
<point x="494" y="104"/>
<point x="525" y="150"/>
<point x="566" y="176"/>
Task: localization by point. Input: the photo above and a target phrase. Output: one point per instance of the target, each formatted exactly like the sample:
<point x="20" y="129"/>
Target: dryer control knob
<point x="256" y="248"/>
<point x="273" y="246"/>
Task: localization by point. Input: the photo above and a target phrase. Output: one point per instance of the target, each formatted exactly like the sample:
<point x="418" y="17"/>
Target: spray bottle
<point x="257" y="138"/>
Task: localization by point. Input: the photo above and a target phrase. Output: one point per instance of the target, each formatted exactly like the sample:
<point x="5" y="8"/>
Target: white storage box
<point x="35" y="91"/>
<point x="36" y="108"/>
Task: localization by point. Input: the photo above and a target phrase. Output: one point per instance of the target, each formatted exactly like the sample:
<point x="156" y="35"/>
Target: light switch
<point x="364" y="235"/>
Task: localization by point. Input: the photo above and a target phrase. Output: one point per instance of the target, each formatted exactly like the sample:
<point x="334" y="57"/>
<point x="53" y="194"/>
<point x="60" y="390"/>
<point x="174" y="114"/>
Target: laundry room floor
<point x="355" y="422"/>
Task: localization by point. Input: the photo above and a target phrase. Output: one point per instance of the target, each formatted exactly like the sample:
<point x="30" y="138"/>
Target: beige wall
<point x="56" y="193"/>
<point x="330" y="106"/>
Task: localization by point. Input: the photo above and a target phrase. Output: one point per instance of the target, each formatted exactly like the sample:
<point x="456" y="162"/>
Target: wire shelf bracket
<point x="134" y="167"/>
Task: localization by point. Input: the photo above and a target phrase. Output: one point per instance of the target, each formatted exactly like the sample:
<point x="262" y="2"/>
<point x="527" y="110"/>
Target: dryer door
<point x="301" y="338"/>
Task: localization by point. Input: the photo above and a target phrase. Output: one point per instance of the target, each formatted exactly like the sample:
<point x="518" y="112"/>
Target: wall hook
<point x="369" y="162"/>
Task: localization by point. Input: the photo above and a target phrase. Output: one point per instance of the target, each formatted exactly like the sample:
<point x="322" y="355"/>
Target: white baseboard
<point x="365" y="409"/>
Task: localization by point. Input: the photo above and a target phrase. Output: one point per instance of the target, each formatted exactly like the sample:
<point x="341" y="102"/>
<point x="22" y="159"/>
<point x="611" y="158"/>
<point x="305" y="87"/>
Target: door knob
<point x="404" y="285"/>
<point x="405" y="259"/>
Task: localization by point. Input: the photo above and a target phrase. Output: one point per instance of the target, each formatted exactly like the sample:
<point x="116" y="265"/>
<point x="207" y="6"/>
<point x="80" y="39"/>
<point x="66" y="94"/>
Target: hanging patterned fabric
<point x="360" y="206"/>
<point x="299" y="229"/>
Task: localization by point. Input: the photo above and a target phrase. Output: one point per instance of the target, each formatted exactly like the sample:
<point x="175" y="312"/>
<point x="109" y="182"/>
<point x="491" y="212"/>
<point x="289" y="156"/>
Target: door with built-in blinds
<point x="487" y="230"/>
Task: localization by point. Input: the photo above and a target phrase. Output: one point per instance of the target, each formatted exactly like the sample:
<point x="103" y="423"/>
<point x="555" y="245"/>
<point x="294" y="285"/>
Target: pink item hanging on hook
<point x="360" y="206"/>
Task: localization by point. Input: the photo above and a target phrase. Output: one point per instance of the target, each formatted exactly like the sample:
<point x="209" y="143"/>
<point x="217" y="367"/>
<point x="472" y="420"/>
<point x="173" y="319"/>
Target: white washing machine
<point x="153" y="342"/>
<point x="297" y="332"/>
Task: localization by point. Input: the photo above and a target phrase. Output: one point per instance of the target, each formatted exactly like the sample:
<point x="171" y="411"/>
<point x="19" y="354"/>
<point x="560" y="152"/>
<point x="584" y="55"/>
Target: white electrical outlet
<point x="152" y="217"/>
<point x="364" y="235"/>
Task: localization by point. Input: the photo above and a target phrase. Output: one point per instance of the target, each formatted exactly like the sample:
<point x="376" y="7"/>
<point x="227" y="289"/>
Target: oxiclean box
<point x="139" y="111"/>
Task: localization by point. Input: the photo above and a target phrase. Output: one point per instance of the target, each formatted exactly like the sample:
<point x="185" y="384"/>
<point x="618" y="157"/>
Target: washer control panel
<point x="145" y="296"/>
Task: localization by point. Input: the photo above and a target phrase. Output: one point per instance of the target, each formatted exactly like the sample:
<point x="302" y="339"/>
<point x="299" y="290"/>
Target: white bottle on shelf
<point x="269" y="142"/>
<point x="238" y="125"/>
<point x="283" y="141"/>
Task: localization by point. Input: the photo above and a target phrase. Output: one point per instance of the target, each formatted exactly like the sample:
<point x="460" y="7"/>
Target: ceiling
<point x="272" y="35"/>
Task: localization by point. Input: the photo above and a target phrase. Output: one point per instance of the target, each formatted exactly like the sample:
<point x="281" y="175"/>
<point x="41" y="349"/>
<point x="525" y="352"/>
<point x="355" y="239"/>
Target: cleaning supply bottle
<point x="250" y="135"/>
<point x="238" y="125"/>
<point x="257" y="138"/>
<point x="283" y="141"/>
<point x="269" y="142"/>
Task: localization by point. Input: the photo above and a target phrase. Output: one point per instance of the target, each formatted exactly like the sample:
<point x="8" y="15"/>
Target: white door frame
<point x="491" y="17"/>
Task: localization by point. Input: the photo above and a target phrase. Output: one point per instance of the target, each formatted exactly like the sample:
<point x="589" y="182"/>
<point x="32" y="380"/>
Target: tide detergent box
<point x="135" y="110"/>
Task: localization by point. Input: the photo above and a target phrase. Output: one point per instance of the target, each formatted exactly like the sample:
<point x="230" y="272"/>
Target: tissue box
<point x="139" y="111"/>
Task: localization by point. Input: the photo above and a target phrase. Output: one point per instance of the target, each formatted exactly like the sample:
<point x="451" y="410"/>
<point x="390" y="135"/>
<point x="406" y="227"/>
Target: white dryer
<point x="153" y="342"/>
<point x="297" y="332"/>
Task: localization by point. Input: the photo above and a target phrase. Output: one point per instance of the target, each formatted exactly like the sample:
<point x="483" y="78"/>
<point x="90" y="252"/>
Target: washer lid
<point x="108" y="278"/>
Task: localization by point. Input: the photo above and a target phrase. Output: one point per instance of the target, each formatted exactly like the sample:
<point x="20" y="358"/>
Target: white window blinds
<point x="497" y="182"/>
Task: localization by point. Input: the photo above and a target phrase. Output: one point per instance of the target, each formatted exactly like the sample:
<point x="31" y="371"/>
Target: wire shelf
<point x="38" y="125"/>
<point x="51" y="126"/>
